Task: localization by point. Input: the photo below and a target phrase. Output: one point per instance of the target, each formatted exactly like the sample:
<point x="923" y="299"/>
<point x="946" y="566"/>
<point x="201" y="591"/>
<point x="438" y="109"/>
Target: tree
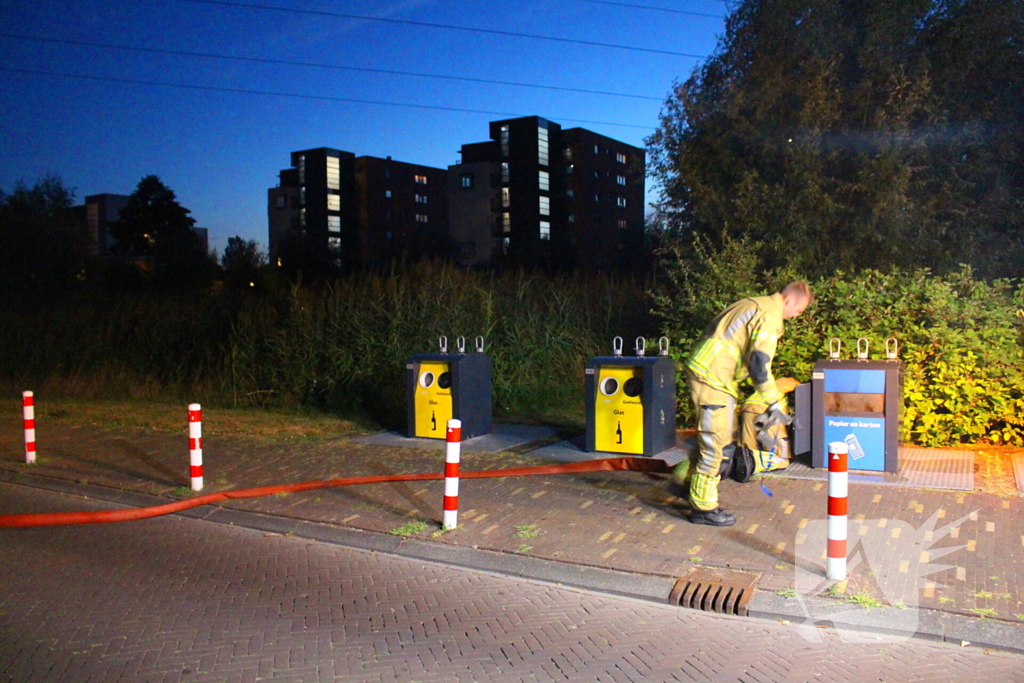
<point x="242" y="261"/>
<point x="154" y="226"/>
<point x="42" y="243"/>
<point x="845" y="134"/>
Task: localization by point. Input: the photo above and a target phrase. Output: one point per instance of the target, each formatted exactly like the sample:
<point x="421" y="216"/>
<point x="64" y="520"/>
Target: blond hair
<point x="798" y="289"/>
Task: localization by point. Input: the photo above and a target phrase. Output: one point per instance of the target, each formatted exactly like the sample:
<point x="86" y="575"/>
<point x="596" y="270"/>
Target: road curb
<point x="884" y="622"/>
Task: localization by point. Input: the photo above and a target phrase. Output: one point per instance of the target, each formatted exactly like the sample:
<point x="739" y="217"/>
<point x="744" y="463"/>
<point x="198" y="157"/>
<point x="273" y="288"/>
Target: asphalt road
<point x="178" y="599"/>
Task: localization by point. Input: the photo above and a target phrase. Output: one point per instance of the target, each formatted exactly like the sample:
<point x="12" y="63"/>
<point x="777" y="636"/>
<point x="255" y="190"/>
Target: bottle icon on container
<point x="853" y="443"/>
<point x="618" y="432"/>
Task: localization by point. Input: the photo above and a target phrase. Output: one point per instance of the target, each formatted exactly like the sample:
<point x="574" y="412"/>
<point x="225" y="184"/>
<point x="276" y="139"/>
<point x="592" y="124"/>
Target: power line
<point x="325" y="98"/>
<point x="284" y="62"/>
<point x="409" y="22"/>
<point x="655" y="9"/>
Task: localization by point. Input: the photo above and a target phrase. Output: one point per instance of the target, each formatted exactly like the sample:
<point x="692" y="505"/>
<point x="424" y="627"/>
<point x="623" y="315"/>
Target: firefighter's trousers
<point x="716" y="413"/>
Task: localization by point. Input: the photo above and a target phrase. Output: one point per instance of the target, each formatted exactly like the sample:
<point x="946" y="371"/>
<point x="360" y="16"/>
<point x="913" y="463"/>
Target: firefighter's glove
<point x="775" y="416"/>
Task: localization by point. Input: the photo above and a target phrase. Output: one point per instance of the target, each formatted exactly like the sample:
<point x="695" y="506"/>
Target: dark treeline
<point x="854" y="134"/>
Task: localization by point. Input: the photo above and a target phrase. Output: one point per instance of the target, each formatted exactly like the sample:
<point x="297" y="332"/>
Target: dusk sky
<point x="92" y="91"/>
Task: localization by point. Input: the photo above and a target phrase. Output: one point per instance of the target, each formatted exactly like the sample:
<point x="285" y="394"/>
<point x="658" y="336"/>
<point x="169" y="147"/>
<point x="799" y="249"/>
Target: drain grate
<point x="709" y="589"/>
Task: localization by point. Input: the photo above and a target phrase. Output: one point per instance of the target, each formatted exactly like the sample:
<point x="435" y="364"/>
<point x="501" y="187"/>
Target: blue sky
<point x="220" y="151"/>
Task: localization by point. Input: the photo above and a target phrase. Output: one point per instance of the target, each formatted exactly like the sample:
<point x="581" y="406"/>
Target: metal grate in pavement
<point x="919" y="467"/>
<point x="1018" y="470"/>
<point x="710" y="589"/>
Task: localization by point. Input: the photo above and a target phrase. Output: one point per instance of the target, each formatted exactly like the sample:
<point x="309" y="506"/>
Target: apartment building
<point x="564" y="197"/>
<point x="333" y="210"/>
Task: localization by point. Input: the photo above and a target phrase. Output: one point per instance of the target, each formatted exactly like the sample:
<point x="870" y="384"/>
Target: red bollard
<point x="451" y="474"/>
<point x="195" y="444"/>
<point x="28" y="406"/>
<point x="837" y="497"/>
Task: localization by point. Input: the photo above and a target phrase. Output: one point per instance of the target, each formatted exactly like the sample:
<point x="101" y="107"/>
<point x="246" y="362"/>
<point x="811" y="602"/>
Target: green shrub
<point x="961" y="339"/>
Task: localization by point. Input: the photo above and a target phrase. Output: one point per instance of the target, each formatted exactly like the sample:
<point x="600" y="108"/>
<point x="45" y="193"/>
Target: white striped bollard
<point x="28" y="406"/>
<point x="837" y="495"/>
<point x="451" y="474"/>
<point x="195" y="445"/>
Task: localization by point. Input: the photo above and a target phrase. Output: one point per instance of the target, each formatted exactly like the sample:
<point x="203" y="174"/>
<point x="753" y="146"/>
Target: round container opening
<point x="609" y="386"/>
<point x="633" y="387"/>
<point x="445" y="380"/>
<point x="427" y="379"/>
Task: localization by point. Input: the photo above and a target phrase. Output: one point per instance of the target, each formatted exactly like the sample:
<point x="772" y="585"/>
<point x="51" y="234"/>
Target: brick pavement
<point x="175" y="599"/>
<point x="621" y="521"/>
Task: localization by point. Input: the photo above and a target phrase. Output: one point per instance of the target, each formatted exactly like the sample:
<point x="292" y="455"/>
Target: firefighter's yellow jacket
<point x="740" y="343"/>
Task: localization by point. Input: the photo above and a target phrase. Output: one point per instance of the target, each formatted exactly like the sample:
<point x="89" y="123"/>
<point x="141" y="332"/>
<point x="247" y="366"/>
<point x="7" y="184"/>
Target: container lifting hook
<point x="892" y="348"/>
<point x="835" y="346"/>
<point x="862" y="352"/>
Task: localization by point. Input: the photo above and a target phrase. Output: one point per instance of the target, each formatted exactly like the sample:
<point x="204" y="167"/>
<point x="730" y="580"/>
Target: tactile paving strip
<point x="919" y="467"/>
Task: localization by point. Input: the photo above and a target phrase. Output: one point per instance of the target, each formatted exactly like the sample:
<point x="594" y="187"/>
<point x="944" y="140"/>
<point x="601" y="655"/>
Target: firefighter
<point x="737" y="344"/>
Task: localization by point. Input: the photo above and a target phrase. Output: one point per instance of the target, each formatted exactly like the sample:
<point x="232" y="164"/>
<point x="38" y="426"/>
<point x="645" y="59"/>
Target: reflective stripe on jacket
<point x="732" y="343"/>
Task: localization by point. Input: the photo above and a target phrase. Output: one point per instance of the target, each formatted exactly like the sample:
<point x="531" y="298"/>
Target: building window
<point x="620" y="157"/>
<point x="597" y="174"/>
<point x="542" y="146"/>
<point x="622" y="223"/>
<point x="421" y="218"/>
<point x="568" y="153"/>
<point x="621" y="179"/>
<point x="302" y="169"/>
<point x="572" y="218"/>
<point x="333" y="173"/>
<point x="569" y="193"/>
<point x="302" y="196"/>
<point x="544" y="180"/>
<point x="334" y="202"/>
<point x="334" y="223"/>
<point x="387" y="193"/>
<point x="504" y="141"/>
<point x="420" y="179"/>
<point x="597" y="150"/>
<point x="545" y="206"/>
<point x="302" y="216"/>
<point x="506" y="198"/>
<point x="504" y="171"/>
<point x="597" y="196"/>
<point x="505" y="243"/>
<point x="568" y="169"/>
<point x="545" y="230"/>
<point x="387" y="171"/>
<point x="506" y="222"/>
<point x="421" y="199"/>
<point x="334" y="242"/>
<point x="621" y="201"/>
<point x="466" y="180"/>
<point x="388" y="234"/>
<point x="280" y="203"/>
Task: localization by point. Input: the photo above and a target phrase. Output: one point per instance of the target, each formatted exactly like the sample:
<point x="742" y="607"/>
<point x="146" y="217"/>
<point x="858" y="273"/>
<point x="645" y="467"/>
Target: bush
<point x="961" y="339"/>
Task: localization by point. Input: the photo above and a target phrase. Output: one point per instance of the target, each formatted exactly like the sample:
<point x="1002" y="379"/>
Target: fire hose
<point x="627" y="464"/>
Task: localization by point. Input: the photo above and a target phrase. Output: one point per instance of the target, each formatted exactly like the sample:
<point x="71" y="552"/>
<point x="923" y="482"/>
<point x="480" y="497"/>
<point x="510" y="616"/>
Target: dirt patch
<point x="993" y="470"/>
